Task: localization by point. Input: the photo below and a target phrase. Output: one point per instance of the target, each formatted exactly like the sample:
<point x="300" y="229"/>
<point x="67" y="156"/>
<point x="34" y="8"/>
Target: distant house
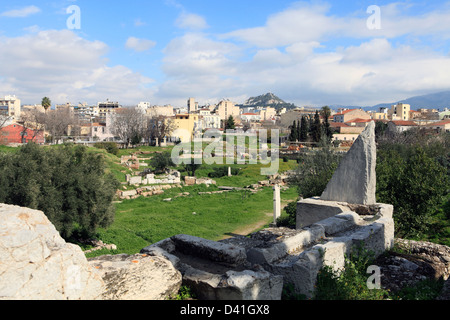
<point x="17" y="134"/>
<point x="250" y="117"/>
<point x="347" y="115"/>
<point x="345" y="132"/>
<point x="401" y="125"/>
<point x="441" y="126"/>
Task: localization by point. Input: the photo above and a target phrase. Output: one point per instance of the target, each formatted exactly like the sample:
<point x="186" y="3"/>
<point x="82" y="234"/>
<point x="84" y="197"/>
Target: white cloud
<point x="21" y="13"/>
<point x="139" y="45"/>
<point x="291" y="56"/>
<point x="305" y="22"/>
<point x="50" y="63"/>
<point x="139" y="23"/>
<point x="191" y="21"/>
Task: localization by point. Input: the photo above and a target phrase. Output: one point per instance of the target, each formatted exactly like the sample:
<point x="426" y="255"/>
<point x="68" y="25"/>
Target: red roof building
<point x="15" y="133"/>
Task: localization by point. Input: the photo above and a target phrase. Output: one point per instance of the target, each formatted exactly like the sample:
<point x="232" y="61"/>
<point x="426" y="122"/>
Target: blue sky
<point x="165" y="51"/>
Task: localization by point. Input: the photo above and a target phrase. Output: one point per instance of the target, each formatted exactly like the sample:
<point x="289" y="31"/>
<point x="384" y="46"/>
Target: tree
<point x="162" y="161"/>
<point x="191" y="168"/>
<point x="159" y="127"/>
<point x="67" y="183"/>
<point x="230" y="123"/>
<point x="298" y="131"/>
<point x="326" y="114"/>
<point x="46" y="103"/>
<point x="316" y="128"/>
<point x="414" y="182"/>
<point x="315" y="171"/>
<point x="304" y="129"/>
<point x="58" y="123"/>
<point x="32" y="120"/>
<point x="128" y="124"/>
<point x="293" y="134"/>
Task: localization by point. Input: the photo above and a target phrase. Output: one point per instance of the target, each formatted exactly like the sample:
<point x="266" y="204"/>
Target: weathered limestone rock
<point x="37" y="264"/>
<point x="137" y="277"/>
<point x="234" y="285"/>
<point x="310" y="211"/>
<point x="190" y="181"/>
<point x="355" y="179"/>
<point x="215" y="251"/>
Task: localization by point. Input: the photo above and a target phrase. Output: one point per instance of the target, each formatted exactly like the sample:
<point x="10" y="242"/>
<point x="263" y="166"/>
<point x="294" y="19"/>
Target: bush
<point x="223" y="172"/>
<point x="315" y="171"/>
<point x="162" y="161"/>
<point x="414" y="183"/>
<point x="67" y="183"/>
<point x="110" y="147"/>
<point x="289" y="219"/>
<point x="350" y="283"/>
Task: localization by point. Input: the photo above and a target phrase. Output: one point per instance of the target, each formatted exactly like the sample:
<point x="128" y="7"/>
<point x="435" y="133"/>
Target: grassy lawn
<point x="144" y="221"/>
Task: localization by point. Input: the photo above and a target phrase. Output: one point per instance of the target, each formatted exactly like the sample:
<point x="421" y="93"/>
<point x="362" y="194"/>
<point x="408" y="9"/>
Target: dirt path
<point x="248" y="229"/>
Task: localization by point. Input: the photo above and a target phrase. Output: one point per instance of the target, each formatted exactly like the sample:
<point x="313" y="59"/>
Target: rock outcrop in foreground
<point x="37" y="264"/>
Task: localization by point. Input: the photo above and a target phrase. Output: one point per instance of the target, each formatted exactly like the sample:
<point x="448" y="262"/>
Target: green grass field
<point x="144" y="221"/>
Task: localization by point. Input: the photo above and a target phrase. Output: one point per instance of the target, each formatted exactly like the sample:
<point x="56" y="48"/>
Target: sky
<point x="311" y="53"/>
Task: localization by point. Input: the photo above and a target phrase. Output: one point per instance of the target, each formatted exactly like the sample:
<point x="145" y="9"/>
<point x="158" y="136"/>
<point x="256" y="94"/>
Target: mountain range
<point x="439" y="100"/>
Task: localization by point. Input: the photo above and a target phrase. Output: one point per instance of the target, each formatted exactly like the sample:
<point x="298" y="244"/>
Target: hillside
<point x="267" y="100"/>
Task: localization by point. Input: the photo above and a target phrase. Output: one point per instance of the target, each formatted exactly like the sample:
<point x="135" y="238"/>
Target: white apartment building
<point x="143" y="106"/>
<point x="209" y="120"/>
<point x="10" y="106"/>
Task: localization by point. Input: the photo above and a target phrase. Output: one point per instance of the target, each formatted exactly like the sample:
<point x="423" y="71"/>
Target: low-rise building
<point x="250" y="117"/>
<point x="209" y="120"/>
<point x="441" y="126"/>
<point x="401" y="125"/>
<point x="347" y="115"/>
<point x="18" y="134"/>
<point x="187" y="126"/>
<point x="156" y="111"/>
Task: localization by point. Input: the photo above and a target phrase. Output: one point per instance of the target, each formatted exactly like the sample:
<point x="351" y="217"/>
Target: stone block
<point x="244" y="285"/>
<point x="310" y="211"/>
<point x="340" y="223"/>
<point x="129" y="193"/>
<point x="136" y="180"/>
<point x="376" y="237"/>
<point x="284" y="246"/>
<point x="137" y="277"/>
<point x="301" y="272"/>
<point x="190" y="181"/>
<point x="214" y="251"/>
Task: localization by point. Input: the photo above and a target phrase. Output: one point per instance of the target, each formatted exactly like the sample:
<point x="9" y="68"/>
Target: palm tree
<point x="46" y="103"/>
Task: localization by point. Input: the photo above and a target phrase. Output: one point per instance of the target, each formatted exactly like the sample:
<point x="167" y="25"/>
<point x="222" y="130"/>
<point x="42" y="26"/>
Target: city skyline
<point x="309" y="53"/>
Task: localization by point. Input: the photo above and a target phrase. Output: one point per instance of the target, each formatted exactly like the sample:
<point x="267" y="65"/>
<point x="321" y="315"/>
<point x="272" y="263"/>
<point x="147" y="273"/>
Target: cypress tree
<point x="304" y="129"/>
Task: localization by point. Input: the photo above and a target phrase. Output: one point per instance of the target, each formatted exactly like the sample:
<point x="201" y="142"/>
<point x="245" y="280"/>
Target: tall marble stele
<point x="354" y="181"/>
